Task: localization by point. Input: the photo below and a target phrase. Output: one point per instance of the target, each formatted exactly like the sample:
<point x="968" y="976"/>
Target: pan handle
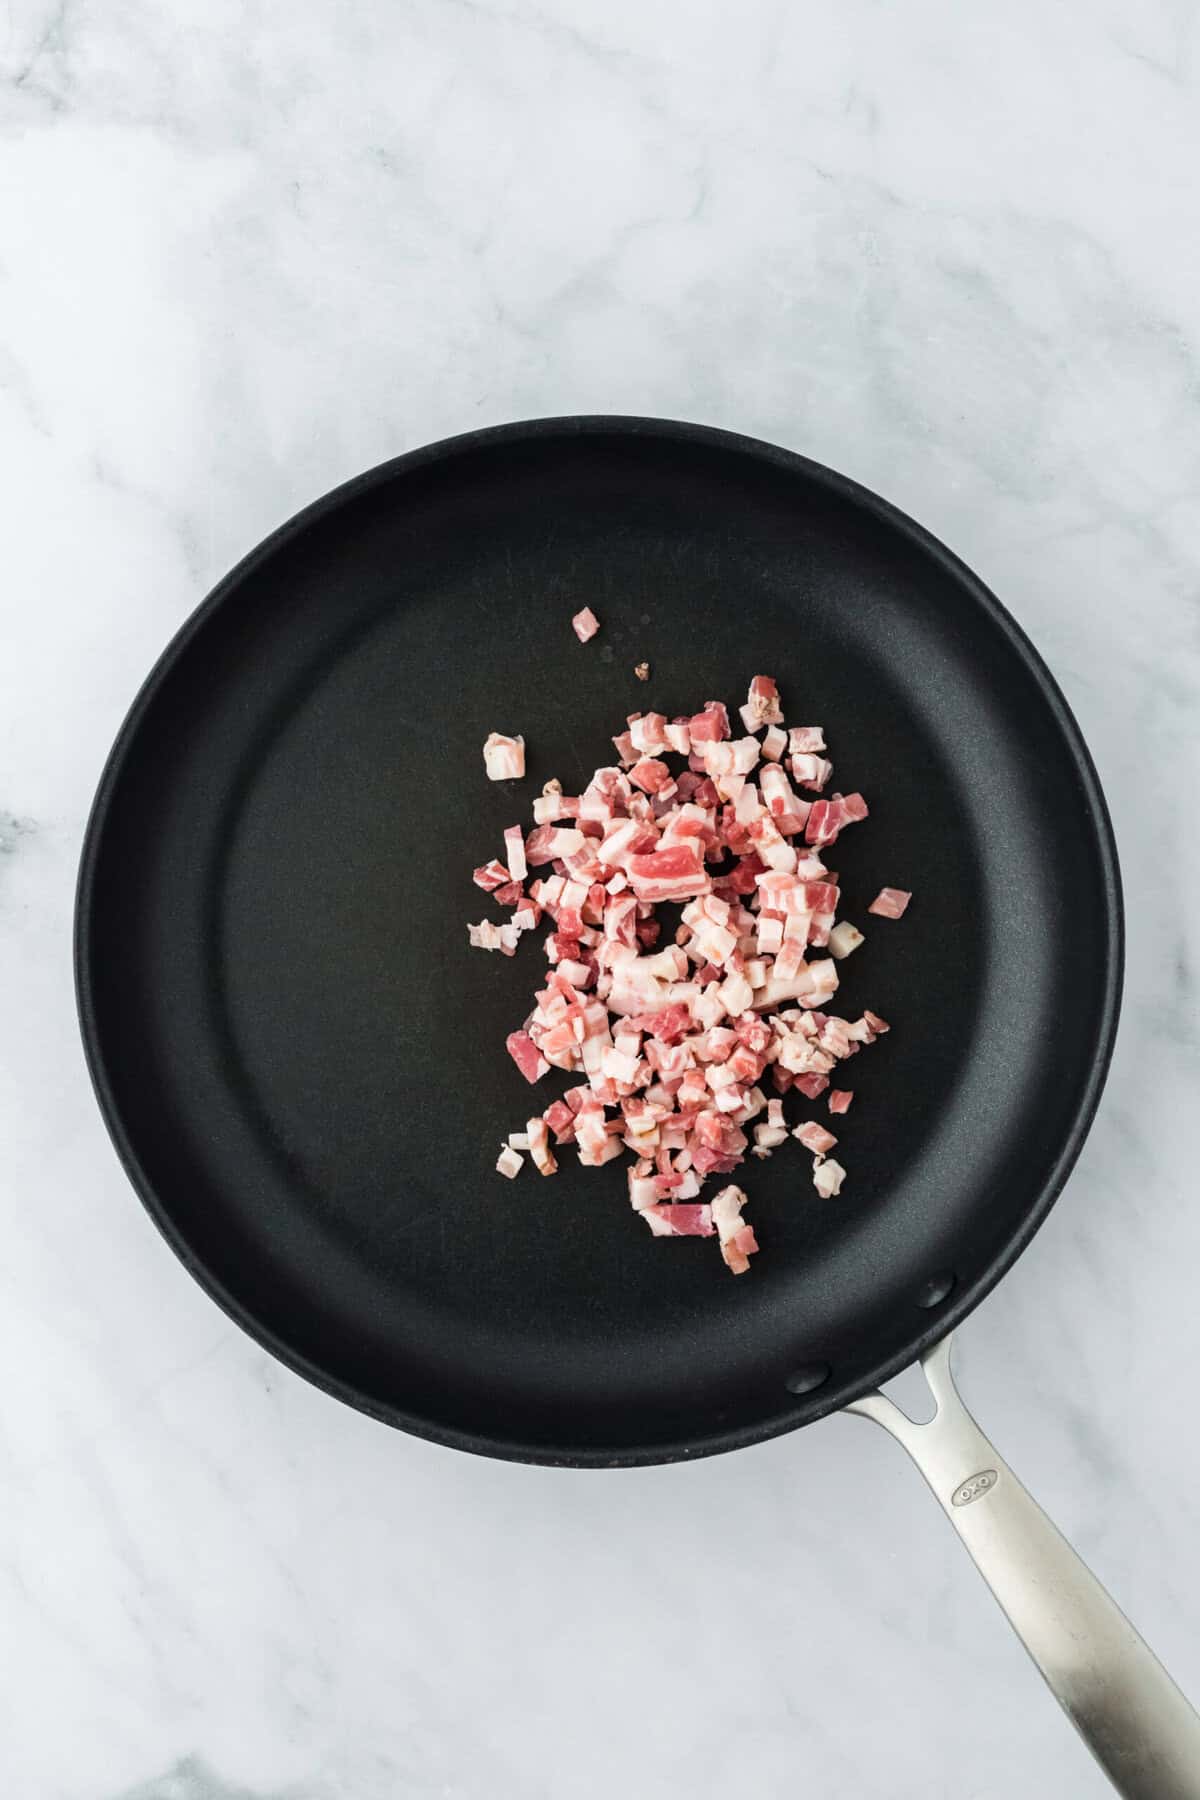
<point x="1133" y="1718"/>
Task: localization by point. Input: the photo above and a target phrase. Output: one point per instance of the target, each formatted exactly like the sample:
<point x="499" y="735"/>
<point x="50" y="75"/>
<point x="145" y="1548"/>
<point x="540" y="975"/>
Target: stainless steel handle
<point x="1139" y="1727"/>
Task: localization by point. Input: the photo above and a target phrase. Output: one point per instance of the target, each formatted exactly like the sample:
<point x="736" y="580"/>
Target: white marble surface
<point x="246" y="251"/>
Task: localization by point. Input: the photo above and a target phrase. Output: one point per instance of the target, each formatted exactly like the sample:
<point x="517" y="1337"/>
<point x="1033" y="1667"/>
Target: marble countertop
<point x="246" y="252"/>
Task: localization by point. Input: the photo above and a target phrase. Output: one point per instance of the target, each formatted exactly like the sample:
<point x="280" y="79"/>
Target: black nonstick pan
<point x="302" y="1063"/>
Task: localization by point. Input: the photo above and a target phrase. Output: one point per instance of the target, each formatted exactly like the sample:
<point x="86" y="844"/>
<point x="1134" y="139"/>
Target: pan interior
<point x="303" y="1062"/>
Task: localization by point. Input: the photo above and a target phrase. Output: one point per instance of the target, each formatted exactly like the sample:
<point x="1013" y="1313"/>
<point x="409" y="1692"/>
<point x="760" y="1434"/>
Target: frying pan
<point x="301" y="1062"/>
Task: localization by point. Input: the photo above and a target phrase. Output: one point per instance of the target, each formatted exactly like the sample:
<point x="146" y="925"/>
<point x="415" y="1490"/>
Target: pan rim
<point x="964" y="1300"/>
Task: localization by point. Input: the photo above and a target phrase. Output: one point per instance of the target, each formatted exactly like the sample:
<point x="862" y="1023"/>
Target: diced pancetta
<point x="491" y="876"/>
<point x="514" y="849"/>
<point x="668" y="1041"/>
<point x="526" y="1055"/>
<point x="710" y="724"/>
<point x="811" y="1084"/>
<point x="803" y="740"/>
<point x="585" y="624"/>
<point x="737" y="1240"/>
<point x="539" y="1147"/>
<point x="814" y="1137"/>
<point x="811" y="772"/>
<point x="890" y="903"/>
<point x="762" y="704"/>
<point x="676" y="873"/>
<point x="828" y="1177"/>
<point x="488" y="936"/>
<point x="504" y="757"/>
<point x="675" y="1220"/>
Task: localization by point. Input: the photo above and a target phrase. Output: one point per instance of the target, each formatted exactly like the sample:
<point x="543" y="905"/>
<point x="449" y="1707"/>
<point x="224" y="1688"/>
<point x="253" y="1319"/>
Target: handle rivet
<point x="809" y="1376"/>
<point x="936" y="1289"/>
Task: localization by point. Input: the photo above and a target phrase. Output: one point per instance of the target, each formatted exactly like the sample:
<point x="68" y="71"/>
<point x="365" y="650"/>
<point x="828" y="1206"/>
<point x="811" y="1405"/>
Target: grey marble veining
<point x="248" y="251"/>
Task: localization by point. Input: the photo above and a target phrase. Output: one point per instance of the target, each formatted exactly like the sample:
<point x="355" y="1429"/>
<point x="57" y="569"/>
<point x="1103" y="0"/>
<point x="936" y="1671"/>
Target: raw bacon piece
<point x="811" y="772"/>
<point x="738" y="1242"/>
<point x="844" y="938"/>
<point x="829" y="817"/>
<point x="710" y="725"/>
<point x="828" y="1177"/>
<point x="514" y="849"/>
<point x="774" y="743"/>
<point x="890" y="903"/>
<point x="539" y="1147"/>
<point x="677" y="873"/>
<point x="585" y="624"/>
<point x="804" y="740"/>
<point x="487" y="936"/>
<point x="492" y="875"/>
<point x="510" y="1162"/>
<point x="504" y="757"/>
<point x="823" y="824"/>
<point x="526" y="1055"/>
<point x="679" y="1220"/>
<point x="648" y="732"/>
<point x="652" y="776"/>
<point x="814" y="1137"/>
<point x="812" y="1086"/>
<point x="839" y="1099"/>
<point x="561" y="1121"/>
<point x="762" y="704"/>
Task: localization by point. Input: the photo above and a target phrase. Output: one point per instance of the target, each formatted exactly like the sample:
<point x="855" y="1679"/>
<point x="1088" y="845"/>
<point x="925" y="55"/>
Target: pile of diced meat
<point x="675" y="1043"/>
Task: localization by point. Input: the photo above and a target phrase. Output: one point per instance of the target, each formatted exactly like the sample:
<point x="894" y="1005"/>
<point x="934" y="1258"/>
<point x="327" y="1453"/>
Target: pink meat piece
<point x="829" y="817"/>
<point x="585" y="624"/>
<point x="648" y="732"/>
<point x="539" y="1147"/>
<point x="828" y="1177"/>
<point x="776" y="790"/>
<point x="679" y="1220"/>
<point x="890" y="903"/>
<point x="539" y="846"/>
<point x="803" y="740"/>
<point x="774" y="742"/>
<point x="514" y="849"/>
<point x="669" y="1024"/>
<point x="812" y="1086"/>
<point x="676" y="873"/>
<point x="561" y="1121"/>
<point x="839" y="1099"/>
<point x="492" y="875"/>
<point x="824" y="823"/>
<point x="526" y="1055"/>
<point x="762" y="704"/>
<point x="814" y="1137"/>
<point x="489" y="936"/>
<point x="651" y="775"/>
<point x="710" y="725"/>
<point x="811" y="772"/>
<point x="504" y="757"/>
